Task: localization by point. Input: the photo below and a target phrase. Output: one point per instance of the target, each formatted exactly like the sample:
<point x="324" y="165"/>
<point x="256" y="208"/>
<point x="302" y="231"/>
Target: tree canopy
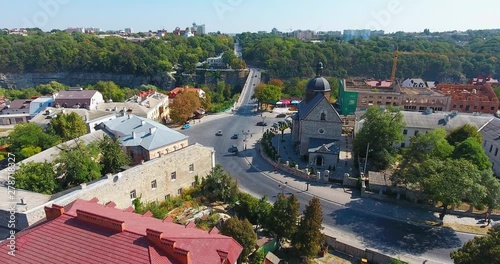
<point x="308" y="239"/>
<point x="30" y="137"/>
<point x="282" y="220"/>
<point x="63" y="52"/>
<point x="112" y="156"/>
<point x="242" y="231"/>
<point x="36" y="177"/>
<point x="464" y="132"/>
<point x="78" y="165"/>
<point x="471" y="150"/>
<point x="68" y="126"/>
<point x="439" y="59"/>
<point x="220" y="186"/>
<point x="184" y="106"/>
<point x="381" y="129"/>
<point x="481" y="249"/>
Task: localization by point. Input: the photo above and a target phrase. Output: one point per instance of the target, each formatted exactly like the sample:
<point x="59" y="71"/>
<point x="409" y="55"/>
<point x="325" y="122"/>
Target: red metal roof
<point x="71" y="239"/>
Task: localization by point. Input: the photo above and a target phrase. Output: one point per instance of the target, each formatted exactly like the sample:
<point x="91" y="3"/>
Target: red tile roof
<point x="94" y="233"/>
<point x="177" y="90"/>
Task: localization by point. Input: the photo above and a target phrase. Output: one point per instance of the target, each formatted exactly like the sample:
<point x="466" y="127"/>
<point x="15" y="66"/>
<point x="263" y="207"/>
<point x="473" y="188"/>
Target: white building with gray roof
<point x="422" y="122"/>
<point x="144" y="139"/>
<point x="491" y="143"/>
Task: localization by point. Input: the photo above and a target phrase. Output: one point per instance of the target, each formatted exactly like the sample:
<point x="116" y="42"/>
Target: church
<point x="317" y="126"/>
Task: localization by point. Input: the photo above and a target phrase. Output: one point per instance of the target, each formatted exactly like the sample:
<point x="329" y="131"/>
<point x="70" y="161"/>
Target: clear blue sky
<point x="234" y="16"/>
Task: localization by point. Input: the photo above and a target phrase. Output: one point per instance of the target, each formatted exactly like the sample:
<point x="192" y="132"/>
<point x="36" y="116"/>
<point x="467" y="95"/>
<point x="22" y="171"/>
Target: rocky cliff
<point x="24" y="80"/>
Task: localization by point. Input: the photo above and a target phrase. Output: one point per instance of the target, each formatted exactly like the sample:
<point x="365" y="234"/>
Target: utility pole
<point x="366" y="157"/>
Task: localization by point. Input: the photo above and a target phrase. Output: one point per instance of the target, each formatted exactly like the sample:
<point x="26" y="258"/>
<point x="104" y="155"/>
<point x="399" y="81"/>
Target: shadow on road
<point x="390" y="235"/>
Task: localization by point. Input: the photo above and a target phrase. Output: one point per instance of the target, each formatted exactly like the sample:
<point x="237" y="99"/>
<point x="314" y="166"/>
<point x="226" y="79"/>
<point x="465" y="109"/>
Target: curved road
<point x="353" y="226"/>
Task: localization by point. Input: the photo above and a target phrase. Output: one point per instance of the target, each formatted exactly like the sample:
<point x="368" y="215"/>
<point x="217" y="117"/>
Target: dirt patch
<point x="475" y="229"/>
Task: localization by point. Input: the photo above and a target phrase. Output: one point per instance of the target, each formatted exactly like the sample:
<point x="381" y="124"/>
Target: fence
<point x="370" y="255"/>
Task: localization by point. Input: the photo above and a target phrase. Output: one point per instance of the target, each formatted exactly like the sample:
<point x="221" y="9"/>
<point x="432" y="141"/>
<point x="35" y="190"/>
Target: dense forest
<point x="40" y="52"/>
<point x="437" y="59"/>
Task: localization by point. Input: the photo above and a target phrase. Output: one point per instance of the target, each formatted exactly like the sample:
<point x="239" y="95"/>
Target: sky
<point x="235" y="16"/>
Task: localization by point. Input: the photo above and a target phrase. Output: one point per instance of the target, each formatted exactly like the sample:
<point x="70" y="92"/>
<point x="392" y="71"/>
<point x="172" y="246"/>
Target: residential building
<point x="128" y="31"/>
<point x="423" y="122"/>
<point x="16" y="106"/>
<point x="79" y="30"/>
<point x="174" y="92"/>
<point x="122" y="236"/>
<point x="470" y="98"/>
<point x="216" y="62"/>
<point x="76" y="97"/>
<point x="147" y="104"/>
<point x="358" y="94"/>
<point x="491" y="143"/>
<point x="317" y="127"/>
<point x="198" y="29"/>
<point x="144" y="139"/>
<point x="40" y="103"/>
<point x="350" y="34"/>
<point x="152" y="180"/>
<point x="92" y="118"/>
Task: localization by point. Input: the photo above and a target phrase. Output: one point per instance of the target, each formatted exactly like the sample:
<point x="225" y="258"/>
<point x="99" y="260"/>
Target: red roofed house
<point x="93" y="233"/>
<point x="173" y="93"/>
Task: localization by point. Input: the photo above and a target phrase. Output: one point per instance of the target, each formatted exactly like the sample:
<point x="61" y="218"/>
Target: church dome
<point x="318" y="83"/>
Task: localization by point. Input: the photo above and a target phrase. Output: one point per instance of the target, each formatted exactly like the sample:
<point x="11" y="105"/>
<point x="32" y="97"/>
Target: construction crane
<point x="394" y="65"/>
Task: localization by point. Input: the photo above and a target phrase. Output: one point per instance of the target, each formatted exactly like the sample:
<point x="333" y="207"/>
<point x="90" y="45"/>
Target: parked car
<point x="235" y="136"/>
<point x="281" y="115"/>
<point x="262" y="124"/>
<point x="186" y="126"/>
<point x="219" y="133"/>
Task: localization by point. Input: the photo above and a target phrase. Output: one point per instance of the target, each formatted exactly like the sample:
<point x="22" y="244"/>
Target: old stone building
<point x="317" y="126"/>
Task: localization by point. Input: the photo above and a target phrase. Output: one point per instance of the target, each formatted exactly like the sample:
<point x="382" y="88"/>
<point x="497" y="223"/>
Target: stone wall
<point x="118" y="188"/>
<point x="370" y="255"/>
<point x="24" y="80"/>
<point x="212" y="77"/>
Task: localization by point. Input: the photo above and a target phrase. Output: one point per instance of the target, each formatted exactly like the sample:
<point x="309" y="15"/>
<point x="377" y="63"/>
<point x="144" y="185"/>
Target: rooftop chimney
<point x="152" y="130"/>
<point x="134" y="135"/>
<point x="143" y="122"/>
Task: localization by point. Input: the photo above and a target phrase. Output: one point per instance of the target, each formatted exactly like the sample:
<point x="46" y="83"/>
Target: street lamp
<point x="246" y="133"/>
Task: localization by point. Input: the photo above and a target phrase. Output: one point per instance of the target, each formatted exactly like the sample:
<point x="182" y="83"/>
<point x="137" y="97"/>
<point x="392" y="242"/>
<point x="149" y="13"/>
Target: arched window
<point x="323" y="116"/>
<point x="319" y="161"/>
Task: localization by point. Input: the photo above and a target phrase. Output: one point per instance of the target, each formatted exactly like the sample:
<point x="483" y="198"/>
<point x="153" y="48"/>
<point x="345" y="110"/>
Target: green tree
<point x="258" y="256"/>
<point x="26" y="135"/>
<point x="424" y="146"/>
<point x="308" y="239"/>
<point x="109" y="91"/>
<point x="251" y="208"/>
<point x="464" y="132"/>
<point x="78" y="165"/>
<point x="183" y="106"/>
<point x="112" y="155"/>
<point x="50" y="88"/>
<point x="219" y="185"/>
<point x="481" y="249"/>
<point x="30" y="151"/>
<point x="68" y="126"/>
<point x="241" y="231"/>
<point x="380" y="129"/>
<point x="448" y="181"/>
<point x="37" y="177"/>
<point x="282" y="220"/>
<point x="267" y="93"/>
<point x="472" y="151"/>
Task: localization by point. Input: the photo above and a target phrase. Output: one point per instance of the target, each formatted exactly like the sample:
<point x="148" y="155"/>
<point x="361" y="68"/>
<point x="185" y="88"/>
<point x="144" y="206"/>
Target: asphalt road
<point x="371" y="231"/>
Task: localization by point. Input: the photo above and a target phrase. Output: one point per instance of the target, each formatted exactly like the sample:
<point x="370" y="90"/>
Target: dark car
<point x="233" y="149"/>
<point x="219" y="133"/>
<point x="235" y="136"/>
<point x="281" y="115"/>
<point x="262" y="124"/>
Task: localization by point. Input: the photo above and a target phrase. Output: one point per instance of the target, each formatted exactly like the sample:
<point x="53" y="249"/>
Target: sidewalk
<point x="349" y="198"/>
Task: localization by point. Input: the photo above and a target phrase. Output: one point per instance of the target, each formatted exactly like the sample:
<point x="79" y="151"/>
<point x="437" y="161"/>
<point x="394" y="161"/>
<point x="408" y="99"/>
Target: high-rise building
<point x="128" y="31"/>
<point x="198" y="29"/>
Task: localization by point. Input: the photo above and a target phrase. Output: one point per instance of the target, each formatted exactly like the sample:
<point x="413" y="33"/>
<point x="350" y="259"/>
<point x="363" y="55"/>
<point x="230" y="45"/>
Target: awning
<point x="286" y="101"/>
<point x="279" y="103"/>
<point x="295" y="102"/>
